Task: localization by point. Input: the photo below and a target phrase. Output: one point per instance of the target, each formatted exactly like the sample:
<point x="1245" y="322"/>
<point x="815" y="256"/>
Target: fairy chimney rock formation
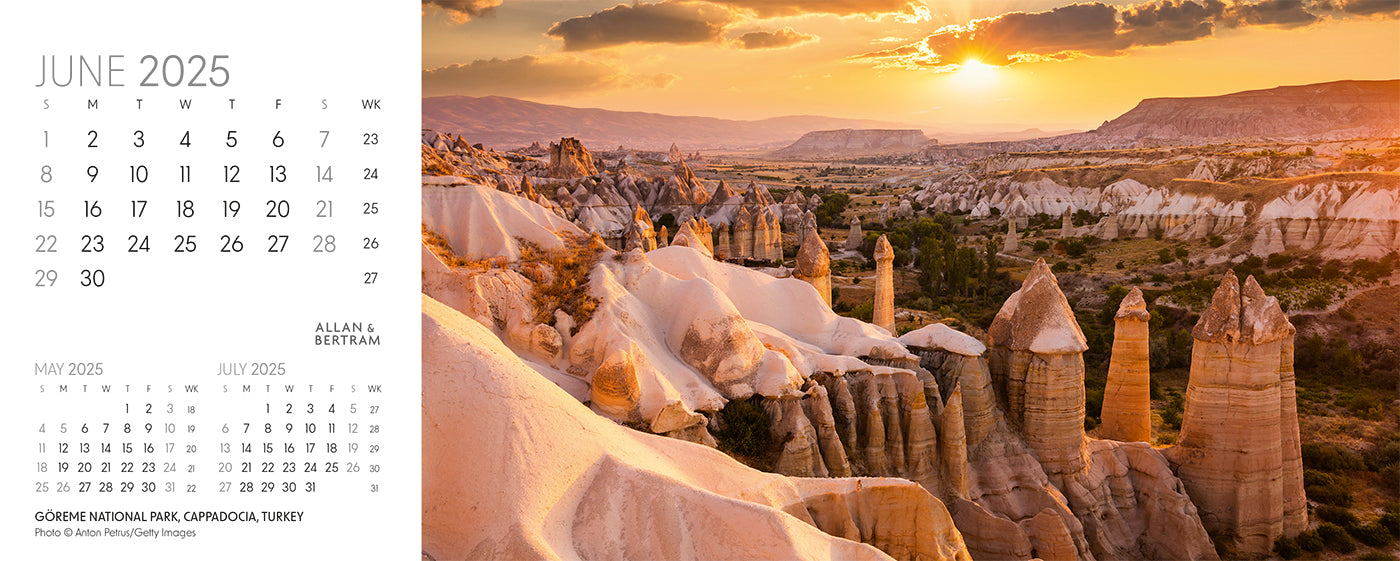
<point x="641" y="222"/>
<point x="856" y="237"/>
<point x="1127" y="409"/>
<point x="1066" y="225"/>
<point x="1037" y="363"/>
<point x="662" y="237"/>
<point x="1013" y="241"/>
<point x="743" y="234"/>
<point x="814" y="264"/>
<point x="1238" y="452"/>
<point x="722" y="246"/>
<point x="775" y="238"/>
<point x="884" y="284"/>
<point x="569" y="159"/>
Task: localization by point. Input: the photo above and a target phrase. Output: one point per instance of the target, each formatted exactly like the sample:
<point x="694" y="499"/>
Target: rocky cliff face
<point x="1245" y="474"/>
<point x="1353" y="214"/>
<point x="847" y="143"/>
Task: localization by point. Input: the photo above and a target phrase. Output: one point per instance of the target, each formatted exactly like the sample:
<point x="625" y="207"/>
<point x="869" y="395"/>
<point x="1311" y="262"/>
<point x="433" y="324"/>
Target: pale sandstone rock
<point x="1013" y="241"/>
<point x="952" y="444"/>
<point x="614" y="389"/>
<point x="517" y="469"/>
<point x="775" y="238"/>
<point x="814" y="264"/>
<point x="1049" y="538"/>
<point x="884" y="285"/>
<point x="1066" y="227"/>
<point x="855" y="238"/>
<point x="800" y="453"/>
<point x="1127" y="408"/>
<point x="743" y="235"/>
<point x="723" y="249"/>
<point x="1039" y="350"/>
<point x="1231" y="449"/>
<point x="897" y="516"/>
<point x="818" y="408"/>
<point x="663" y="237"/>
<point x="569" y="159"/>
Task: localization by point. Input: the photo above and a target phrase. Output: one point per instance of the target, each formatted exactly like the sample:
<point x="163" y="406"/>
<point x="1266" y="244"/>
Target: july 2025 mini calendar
<point x="209" y="227"/>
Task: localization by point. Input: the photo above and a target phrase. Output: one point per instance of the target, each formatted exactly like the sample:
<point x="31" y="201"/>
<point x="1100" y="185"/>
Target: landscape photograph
<point x="911" y="279"/>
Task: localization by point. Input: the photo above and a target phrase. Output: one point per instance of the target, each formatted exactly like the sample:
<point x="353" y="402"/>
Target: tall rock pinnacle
<point x="1238" y="452"/>
<point x="1127" y="409"/>
<point x="1038" y="362"/>
<point x="884" y="285"/>
<point x="814" y="264"/>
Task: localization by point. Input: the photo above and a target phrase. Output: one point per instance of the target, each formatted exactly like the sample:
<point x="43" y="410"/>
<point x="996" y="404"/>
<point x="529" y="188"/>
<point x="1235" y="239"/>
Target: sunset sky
<point x="951" y="64"/>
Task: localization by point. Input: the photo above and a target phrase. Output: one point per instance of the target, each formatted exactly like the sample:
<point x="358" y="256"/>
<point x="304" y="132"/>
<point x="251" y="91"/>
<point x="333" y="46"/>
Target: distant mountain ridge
<point x="506" y="123"/>
<point x="1323" y="111"/>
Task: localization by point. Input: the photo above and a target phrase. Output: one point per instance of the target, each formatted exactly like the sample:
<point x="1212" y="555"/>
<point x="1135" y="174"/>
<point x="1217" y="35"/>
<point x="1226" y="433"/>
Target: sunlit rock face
<point x="1239" y="451"/>
<point x="1127" y="407"/>
<point x="814" y="264"/>
<point x="569" y="159"/>
<point x="1125" y="501"/>
<point x="884" y="284"/>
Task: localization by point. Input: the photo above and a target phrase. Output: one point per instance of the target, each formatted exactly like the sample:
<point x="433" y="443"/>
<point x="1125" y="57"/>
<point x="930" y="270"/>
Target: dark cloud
<point x="531" y="76"/>
<point x="1278" y="13"/>
<point x="779" y="8"/>
<point x="785" y="37"/>
<point x="462" y="11"/>
<point x="678" y="22"/>
<point x="1098" y="29"/>
<point x="1388" y="8"/>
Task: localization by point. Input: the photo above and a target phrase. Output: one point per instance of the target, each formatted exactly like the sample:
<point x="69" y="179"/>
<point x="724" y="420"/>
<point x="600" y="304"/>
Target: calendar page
<point x="210" y="233"/>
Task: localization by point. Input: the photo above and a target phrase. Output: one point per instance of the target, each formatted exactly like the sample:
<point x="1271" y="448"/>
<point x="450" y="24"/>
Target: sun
<point x="974" y="72"/>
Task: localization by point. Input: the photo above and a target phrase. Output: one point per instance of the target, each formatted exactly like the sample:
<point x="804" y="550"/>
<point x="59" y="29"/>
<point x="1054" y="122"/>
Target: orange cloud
<point x="782" y="38"/>
<point x="534" y="76"/>
<point x="1097" y="29"/>
<point x="677" y="22"/>
<point x="462" y="11"/>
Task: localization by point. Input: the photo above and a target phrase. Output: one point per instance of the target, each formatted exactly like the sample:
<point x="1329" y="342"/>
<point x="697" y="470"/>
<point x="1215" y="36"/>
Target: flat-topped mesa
<point x="569" y="159"/>
<point x="1127" y="407"/>
<point x="1238" y="452"/>
<point x="814" y="264"/>
<point x="856" y="237"/>
<point x="884" y="285"/>
<point x="743" y="234"/>
<point x="1037" y="364"/>
<point x="1013" y="241"/>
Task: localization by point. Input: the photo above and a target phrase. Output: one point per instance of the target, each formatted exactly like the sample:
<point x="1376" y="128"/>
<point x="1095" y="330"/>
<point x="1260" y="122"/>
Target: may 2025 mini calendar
<point x="210" y="226"/>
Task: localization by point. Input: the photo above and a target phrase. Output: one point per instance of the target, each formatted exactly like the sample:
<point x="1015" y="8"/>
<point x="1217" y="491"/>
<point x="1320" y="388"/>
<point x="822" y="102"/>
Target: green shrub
<point x="1060" y="267"/>
<point x="1335" y="494"/>
<point x="1164" y="256"/>
<point x="1310" y="541"/>
<point x="1286" y="548"/>
<point x="1391" y="522"/>
<point x="1375" y="556"/>
<point x="1372" y="534"/>
<point x="1215" y="241"/>
<point x="1314" y="477"/>
<point x="1330" y="457"/>
<point x="1336" y="515"/>
<point x="1335" y="538"/>
<point x="1040" y="245"/>
<point x="746" y="428"/>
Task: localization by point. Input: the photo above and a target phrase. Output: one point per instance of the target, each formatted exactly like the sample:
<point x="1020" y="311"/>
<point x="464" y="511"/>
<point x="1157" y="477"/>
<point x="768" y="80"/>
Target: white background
<point x="168" y="318"/>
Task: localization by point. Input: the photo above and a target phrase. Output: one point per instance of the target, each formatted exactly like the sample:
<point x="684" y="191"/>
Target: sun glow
<point x="973" y="72"/>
